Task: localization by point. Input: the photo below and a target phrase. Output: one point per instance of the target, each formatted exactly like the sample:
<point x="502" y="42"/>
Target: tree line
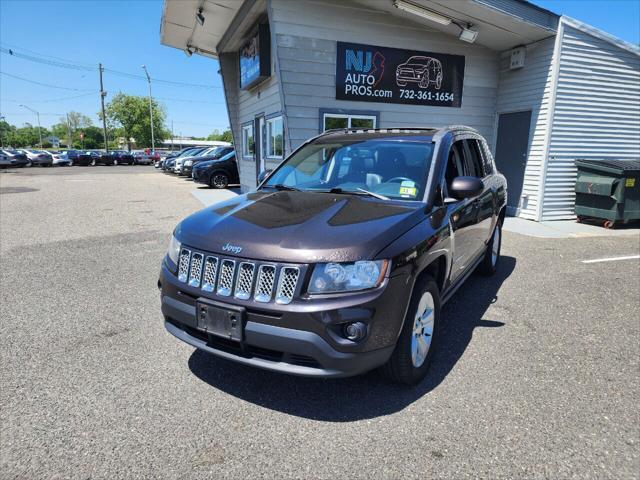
<point x="127" y="117"/>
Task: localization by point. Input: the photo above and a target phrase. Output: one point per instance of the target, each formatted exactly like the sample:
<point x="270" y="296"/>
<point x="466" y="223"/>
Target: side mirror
<point x="263" y="175"/>
<point x="465" y="187"/>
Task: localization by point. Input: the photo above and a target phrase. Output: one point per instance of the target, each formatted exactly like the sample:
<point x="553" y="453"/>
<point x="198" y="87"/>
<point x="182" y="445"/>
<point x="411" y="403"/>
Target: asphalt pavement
<point x="537" y="376"/>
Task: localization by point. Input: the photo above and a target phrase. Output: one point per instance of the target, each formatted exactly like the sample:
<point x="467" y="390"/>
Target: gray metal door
<point x="511" y="152"/>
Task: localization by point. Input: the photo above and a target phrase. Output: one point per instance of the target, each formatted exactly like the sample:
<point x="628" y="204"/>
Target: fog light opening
<point x="355" y="331"/>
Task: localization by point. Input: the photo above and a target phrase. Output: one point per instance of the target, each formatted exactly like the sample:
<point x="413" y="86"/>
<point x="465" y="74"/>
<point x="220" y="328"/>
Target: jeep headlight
<point x="347" y="277"/>
<point x="174" y="249"/>
<point x="188" y="163"/>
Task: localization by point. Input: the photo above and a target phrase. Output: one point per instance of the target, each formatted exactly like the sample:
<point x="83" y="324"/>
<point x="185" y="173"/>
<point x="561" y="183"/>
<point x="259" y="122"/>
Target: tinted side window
<point x="474" y="167"/>
<point x="488" y="158"/>
<point x="454" y="163"/>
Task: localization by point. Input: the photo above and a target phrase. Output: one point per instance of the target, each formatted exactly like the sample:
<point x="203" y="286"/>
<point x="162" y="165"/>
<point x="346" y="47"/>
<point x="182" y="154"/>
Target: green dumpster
<point x="608" y="190"/>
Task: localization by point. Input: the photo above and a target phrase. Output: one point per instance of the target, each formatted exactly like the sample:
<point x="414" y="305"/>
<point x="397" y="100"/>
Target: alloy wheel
<point x="422" y="333"/>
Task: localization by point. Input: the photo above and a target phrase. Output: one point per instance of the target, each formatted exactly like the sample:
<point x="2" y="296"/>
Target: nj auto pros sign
<point x="391" y="75"/>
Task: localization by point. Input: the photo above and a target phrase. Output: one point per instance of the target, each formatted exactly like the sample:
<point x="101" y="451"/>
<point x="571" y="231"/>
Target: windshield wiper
<point x="376" y="195"/>
<point x="359" y="191"/>
<point x="281" y="187"/>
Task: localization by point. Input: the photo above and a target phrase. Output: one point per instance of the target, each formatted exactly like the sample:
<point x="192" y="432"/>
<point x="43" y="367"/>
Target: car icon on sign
<point x="421" y="70"/>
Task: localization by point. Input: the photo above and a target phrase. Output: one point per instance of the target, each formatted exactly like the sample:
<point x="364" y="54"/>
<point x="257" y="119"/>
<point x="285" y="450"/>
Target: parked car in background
<point x="178" y="169"/>
<point x="60" y="159"/>
<point x="38" y="157"/>
<point x="353" y="243"/>
<point x="16" y="158"/>
<point x="142" y="158"/>
<point x="100" y="157"/>
<point x="215" y="154"/>
<point x="188" y="154"/>
<point x="217" y="173"/>
<point x="121" y="157"/>
<point x="83" y="159"/>
<point x="168" y="165"/>
<point x="4" y="160"/>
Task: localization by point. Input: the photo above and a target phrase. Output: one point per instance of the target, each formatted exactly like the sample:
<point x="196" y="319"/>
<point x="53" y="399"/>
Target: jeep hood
<point x="299" y="227"/>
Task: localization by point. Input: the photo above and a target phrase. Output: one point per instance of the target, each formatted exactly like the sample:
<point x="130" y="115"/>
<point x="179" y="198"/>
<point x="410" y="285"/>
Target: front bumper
<point x="300" y="339"/>
<point x="200" y="175"/>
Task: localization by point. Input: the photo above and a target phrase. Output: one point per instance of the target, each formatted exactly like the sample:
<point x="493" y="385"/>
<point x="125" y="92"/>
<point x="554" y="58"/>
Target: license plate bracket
<point x="220" y="319"/>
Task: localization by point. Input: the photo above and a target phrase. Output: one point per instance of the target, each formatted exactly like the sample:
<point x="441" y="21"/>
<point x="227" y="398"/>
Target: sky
<point x="125" y="34"/>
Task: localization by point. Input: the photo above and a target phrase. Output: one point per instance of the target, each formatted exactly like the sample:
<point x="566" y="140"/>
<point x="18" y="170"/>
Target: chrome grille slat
<point x="209" y="277"/>
<point x="195" y="272"/>
<point x="225" y="281"/>
<point x="287" y="284"/>
<point x="244" y="281"/>
<point x="264" y="284"/>
<point x="183" y="264"/>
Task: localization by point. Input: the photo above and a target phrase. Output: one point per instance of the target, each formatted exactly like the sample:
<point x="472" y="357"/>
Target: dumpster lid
<point x="595" y="184"/>
<point x="621" y="166"/>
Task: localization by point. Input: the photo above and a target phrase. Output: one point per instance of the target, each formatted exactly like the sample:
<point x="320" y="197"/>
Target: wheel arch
<point x="437" y="269"/>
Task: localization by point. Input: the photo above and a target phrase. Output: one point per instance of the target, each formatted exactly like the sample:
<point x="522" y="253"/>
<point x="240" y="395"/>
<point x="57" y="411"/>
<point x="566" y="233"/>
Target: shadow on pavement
<point x="366" y="396"/>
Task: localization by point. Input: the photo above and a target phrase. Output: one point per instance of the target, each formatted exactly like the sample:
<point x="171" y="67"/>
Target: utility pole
<point x="104" y="118"/>
<point x="172" y="135"/>
<point x="153" y="146"/>
<point x="70" y="142"/>
<point x="38" y="116"/>
<point x="2" y="139"/>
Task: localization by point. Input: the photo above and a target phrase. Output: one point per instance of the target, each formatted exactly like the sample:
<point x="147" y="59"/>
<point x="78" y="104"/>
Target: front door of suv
<point x="463" y="214"/>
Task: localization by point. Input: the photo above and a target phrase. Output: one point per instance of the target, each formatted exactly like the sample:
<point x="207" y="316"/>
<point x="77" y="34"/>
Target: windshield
<point x="396" y="169"/>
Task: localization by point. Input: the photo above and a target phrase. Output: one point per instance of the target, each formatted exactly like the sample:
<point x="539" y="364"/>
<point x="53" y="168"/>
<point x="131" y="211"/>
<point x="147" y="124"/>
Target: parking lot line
<point x="612" y="259"/>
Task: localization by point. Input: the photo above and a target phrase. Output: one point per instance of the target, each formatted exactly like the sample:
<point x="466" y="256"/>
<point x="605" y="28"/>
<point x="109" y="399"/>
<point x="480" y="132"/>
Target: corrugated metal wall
<point x="596" y="114"/>
<point x="528" y="88"/>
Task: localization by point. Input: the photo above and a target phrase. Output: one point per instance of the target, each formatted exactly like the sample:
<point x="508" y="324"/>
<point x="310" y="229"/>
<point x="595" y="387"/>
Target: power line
<point x="52" y="99"/>
<point x="39" y="58"/>
<point x="46" y="84"/>
<point x="169" y="99"/>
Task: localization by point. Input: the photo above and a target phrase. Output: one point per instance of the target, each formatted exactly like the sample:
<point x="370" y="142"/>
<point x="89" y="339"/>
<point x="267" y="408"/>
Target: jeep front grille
<point x="264" y="285"/>
<point x="209" y="278"/>
<point x="243" y="279"/>
<point x="287" y="284"/>
<point x="225" y="282"/>
<point x="244" y="283"/>
<point x="195" y="272"/>
<point x="183" y="264"/>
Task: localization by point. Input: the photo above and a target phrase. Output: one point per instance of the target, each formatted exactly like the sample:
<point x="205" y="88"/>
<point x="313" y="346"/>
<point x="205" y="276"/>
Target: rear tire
<point x="410" y="360"/>
<point x="491" y="259"/>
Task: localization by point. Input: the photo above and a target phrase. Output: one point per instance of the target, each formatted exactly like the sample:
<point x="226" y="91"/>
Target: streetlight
<point x="153" y="146"/>
<point x="1" y="139"/>
<point x="39" y="129"/>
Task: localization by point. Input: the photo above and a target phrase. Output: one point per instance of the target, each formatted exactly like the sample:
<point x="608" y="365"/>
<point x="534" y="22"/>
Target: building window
<point x="275" y="137"/>
<point x="340" y="120"/>
<point x="248" y="142"/>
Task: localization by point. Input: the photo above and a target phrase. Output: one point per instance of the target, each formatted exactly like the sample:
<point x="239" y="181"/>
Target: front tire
<point x="219" y="180"/>
<point x="489" y="264"/>
<point x="416" y="345"/>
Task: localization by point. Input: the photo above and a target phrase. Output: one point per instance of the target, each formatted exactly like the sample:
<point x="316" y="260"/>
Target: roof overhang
<point x="501" y="24"/>
<point x="180" y="29"/>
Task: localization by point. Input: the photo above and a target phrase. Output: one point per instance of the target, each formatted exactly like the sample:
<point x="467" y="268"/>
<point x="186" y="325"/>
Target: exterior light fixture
<point x="189" y="50"/>
<point x="414" y="9"/>
<point x="468" y="35"/>
<point x="200" y="17"/>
